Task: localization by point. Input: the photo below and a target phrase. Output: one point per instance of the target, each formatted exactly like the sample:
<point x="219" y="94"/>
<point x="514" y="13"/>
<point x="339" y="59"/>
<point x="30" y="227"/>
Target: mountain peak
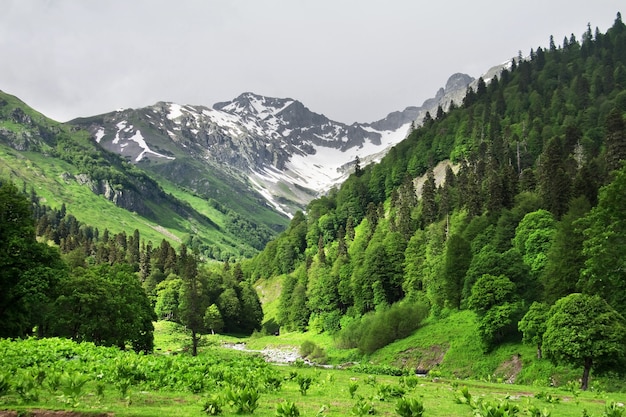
<point x="458" y="81"/>
<point x="251" y="104"/>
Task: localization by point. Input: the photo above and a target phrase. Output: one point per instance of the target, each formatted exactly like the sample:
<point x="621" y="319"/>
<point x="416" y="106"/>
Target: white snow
<point x="99" y="134"/>
<point x="322" y="170"/>
<point x="176" y="110"/>
<point x="120" y="126"/>
<point x="138" y="137"/>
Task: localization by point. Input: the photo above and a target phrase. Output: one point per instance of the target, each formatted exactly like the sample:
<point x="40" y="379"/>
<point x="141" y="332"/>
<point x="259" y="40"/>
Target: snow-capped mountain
<point x="276" y="147"/>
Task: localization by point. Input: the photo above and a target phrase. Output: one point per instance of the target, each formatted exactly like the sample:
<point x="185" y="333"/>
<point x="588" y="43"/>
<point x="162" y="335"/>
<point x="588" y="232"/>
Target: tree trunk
<point x="585" y="381"/>
<point x="539" y="352"/>
<point x="194" y="343"/>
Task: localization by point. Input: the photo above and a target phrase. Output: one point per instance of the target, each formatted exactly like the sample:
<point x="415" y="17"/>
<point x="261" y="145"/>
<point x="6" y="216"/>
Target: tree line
<point x="64" y="278"/>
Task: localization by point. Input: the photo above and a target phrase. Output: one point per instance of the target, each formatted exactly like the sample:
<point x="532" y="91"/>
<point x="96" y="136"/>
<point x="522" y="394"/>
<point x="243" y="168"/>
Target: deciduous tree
<point x="583" y="330"/>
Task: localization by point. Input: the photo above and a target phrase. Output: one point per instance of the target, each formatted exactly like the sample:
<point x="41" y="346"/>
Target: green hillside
<point x="533" y="217"/>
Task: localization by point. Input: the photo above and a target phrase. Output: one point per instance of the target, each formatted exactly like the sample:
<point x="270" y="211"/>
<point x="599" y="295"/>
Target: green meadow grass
<point x="332" y="392"/>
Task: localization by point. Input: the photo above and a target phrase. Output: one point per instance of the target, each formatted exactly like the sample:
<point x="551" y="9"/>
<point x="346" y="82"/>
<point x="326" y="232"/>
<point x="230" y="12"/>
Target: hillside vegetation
<point x="533" y="217"/>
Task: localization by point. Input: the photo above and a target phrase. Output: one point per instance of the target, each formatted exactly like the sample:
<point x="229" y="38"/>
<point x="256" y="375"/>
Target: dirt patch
<point x="422" y="360"/>
<point x="50" y="413"/>
<point x="508" y="370"/>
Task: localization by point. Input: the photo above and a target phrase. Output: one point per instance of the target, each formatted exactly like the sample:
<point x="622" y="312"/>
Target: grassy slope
<point x="46" y="175"/>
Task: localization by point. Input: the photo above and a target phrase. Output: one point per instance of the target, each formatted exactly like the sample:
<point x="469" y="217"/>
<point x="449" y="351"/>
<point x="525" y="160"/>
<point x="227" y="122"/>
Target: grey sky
<point x="352" y="60"/>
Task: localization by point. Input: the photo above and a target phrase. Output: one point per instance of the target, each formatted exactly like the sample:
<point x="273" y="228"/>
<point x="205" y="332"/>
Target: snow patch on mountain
<point x="139" y="139"/>
<point x="312" y="174"/>
<point x="99" y="135"/>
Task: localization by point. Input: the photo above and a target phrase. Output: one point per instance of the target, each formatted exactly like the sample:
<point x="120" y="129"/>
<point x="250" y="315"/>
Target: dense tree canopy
<point x="103" y="287"/>
<point x="525" y="155"/>
<point x="29" y="270"/>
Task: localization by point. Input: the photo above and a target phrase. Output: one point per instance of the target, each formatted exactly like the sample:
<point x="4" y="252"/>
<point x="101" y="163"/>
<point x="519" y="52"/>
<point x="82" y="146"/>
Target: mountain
<point x="223" y="179"/>
<point x="64" y="166"/>
<point x="274" y="149"/>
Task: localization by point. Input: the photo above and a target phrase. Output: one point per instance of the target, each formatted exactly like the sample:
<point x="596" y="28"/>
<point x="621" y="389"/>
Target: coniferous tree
<point x="615" y="141"/>
<point x="429" y="204"/>
<point x="457" y="260"/>
<point x="192" y="303"/>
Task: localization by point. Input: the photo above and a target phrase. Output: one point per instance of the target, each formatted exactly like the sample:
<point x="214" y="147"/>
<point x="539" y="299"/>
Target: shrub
<point x="352" y="388"/>
<point x="213" y="405"/>
<point x="243" y="401"/>
<point x="362" y="407"/>
<point x="386" y="391"/>
<point x="287" y="409"/>
<point x="304" y="382"/>
<point x="72" y="386"/>
<point x="409" y="407"/>
<point x="613" y="409"/>
<point x="273" y="383"/>
<point x="25" y="385"/>
<point x="4" y="385"/>
<point x="377" y="329"/>
<point x="306" y="348"/>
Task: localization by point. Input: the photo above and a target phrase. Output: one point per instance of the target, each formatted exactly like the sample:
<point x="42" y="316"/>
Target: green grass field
<point x="332" y="392"/>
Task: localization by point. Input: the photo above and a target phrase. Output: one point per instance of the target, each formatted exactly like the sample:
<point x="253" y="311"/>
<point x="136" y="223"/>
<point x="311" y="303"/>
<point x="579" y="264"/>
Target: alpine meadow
<point x="477" y="268"/>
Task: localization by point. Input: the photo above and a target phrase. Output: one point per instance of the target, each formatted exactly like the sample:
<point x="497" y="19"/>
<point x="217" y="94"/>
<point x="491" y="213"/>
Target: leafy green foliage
<point x="363" y="407"/>
<point x="533" y="325"/>
<point x="494" y="300"/>
<point x="31" y="270"/>
<point x="213" y="405"/>
<point x="72" y="386"/>
<point x="584" y="331"/>
<point x="612" y="409"/>
<point x="382" y="327"/>
<point x="384" y="392"/>
<point x="605" y="229"/>
<point x="287" y="409"/>
<point x="409" y="407"/>
<point x="105" y="305"/>
<point x="243" y="400"/>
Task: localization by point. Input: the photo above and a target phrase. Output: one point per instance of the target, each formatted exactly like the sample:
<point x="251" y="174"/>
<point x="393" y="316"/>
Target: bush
<point x="306" y="348"/>
<point x="313" y="352"/>
<point x="409" y="407"/>
<point x="305" y="383"/>
<point x="213" y="405"/>
<point x="287" y="409"/>
<point x="243" y="401"/>
<point x="376" y="330"/>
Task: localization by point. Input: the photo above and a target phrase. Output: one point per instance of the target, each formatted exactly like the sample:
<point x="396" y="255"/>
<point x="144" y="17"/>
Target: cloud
<point x="352" y="60"/>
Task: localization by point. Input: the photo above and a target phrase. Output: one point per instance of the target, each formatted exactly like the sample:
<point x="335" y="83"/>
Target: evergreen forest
<point x="525" y="215"/>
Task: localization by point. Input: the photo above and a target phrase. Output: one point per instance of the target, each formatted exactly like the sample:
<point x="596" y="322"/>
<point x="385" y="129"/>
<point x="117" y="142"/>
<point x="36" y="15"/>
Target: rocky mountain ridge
<point x="276" y="147"/>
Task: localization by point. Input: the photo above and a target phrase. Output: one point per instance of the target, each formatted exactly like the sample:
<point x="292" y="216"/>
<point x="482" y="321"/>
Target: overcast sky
<point x="352" y="60"/>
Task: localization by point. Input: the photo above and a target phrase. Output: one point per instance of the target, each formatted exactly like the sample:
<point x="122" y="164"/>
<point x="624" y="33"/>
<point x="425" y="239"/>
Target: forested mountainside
<point x="530" y="210"/>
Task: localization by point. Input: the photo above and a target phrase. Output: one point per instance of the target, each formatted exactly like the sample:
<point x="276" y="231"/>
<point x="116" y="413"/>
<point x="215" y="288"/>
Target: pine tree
<point x="429" y="204"/>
